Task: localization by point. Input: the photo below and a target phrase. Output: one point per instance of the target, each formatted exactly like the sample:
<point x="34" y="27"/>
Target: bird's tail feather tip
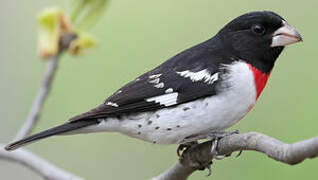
<point x="67" y="127"/>
<point x="9" y="147"/>
<point x="15" y="145"/>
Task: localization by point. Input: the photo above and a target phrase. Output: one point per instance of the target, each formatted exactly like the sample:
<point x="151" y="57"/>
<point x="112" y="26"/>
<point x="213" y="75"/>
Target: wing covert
<point x="189" y="75"/>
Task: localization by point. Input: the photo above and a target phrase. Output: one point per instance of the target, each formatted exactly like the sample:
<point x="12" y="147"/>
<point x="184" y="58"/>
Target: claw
<point x="181" y="147"/>
<point x="213" y="148"/>
<point x="210" y="170"/>
<point x="236" y="131"/>
<point x="239" y="154"/>
<point x="219" y="157"/>
<point x="215" y="137"/>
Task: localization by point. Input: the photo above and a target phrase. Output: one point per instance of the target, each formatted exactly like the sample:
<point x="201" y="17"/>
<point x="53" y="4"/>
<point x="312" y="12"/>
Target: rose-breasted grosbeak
<point x="204" y="89"/>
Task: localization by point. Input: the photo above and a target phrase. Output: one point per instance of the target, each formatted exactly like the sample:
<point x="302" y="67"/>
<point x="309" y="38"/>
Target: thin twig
<point x="39" y="100"/>
<point x="197" y="156"/>
<point x="24" y="157"/>
<point x="47" y="170"/>
<point x="177" y="171"/>
<point x="45" y="87"/>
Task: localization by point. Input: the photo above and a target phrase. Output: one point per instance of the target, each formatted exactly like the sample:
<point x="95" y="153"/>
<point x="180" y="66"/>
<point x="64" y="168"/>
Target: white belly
<point x="173" y="125"/>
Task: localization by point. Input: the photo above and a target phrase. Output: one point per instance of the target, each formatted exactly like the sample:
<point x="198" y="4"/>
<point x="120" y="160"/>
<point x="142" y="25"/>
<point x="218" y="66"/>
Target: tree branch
<point x="24" y="157"/>
<point x="40" y="166"/>
<point x="40" y="98"/>
<point x="196" y="157"/>
<point x="45" y="87"/>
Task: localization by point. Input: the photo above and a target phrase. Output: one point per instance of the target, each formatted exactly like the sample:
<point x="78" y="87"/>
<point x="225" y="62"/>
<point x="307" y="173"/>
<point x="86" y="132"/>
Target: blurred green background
<point x="133" y="37"/>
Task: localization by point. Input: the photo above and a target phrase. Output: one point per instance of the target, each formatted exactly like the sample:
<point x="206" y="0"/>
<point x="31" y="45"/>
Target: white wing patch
<point x="169" y="90"/>
<point x="118" y="92"/>
<point x="166" y="99"/>
<point x="160" y="85"/>
<point x="154" y="79"/>
<point x="154" y="76"/>
<point x="112" y="104"/>
<point x="203" y="75"/>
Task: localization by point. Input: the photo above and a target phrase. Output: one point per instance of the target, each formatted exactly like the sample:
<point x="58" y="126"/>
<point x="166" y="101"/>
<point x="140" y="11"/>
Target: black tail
<point x="69" y="126"/>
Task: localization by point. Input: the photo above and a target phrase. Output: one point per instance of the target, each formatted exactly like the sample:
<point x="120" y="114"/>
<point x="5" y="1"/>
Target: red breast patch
<point x="260" y="79"/>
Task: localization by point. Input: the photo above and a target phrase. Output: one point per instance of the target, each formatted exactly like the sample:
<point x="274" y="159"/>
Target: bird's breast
<point x="260" y="80"/>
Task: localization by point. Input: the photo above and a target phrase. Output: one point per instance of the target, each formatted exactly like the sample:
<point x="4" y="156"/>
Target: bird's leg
<point x="183" y="146"/>
<point x="215" y="137"/>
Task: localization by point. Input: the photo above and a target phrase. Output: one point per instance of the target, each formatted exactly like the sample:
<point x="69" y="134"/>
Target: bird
<point x="199" y="92"/>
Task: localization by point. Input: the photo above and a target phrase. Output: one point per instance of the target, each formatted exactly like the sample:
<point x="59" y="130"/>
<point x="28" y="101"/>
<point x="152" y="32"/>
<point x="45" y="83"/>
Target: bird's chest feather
<point x="260" y="80"/>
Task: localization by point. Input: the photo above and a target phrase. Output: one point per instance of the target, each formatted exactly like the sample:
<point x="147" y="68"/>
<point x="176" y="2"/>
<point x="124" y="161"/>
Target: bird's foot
<point x="200" y="162"/>
<point x="185" y="146"/>
<point x="215" y="137"/>
<point x="195" y="159"/>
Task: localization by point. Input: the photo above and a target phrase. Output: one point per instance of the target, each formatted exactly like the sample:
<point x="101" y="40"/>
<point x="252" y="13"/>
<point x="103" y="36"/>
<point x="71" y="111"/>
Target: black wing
<point x="190" y="75"/>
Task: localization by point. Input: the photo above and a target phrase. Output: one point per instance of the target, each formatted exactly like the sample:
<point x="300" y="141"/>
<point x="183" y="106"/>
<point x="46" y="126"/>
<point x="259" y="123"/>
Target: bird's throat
<point x="260" y="80"/>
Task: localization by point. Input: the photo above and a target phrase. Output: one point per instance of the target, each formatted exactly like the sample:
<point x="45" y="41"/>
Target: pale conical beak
<point x="285" y="35"/>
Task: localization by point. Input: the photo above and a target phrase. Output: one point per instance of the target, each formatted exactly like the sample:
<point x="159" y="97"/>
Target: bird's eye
<point x="258" y="29"/>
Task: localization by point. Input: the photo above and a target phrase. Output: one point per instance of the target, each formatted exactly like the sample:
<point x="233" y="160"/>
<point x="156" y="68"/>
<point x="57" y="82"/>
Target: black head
<point x="258" y="38"/>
